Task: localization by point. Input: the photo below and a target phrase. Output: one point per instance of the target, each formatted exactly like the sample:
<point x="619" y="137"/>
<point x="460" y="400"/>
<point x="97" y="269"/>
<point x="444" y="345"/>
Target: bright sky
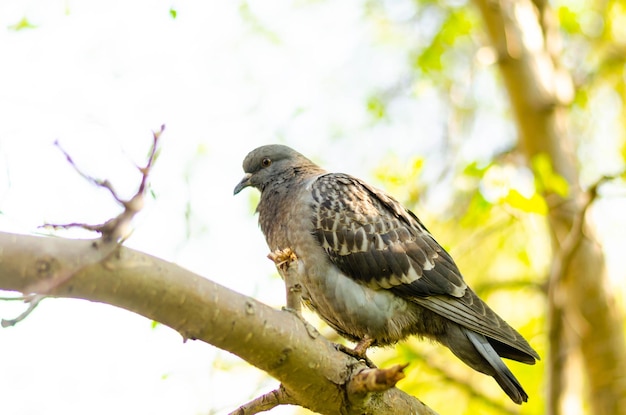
<point x="98" y="77"/>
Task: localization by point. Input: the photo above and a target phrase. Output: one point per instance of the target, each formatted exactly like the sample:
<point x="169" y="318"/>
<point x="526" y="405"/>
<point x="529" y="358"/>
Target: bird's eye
<point x="266" y="162"/>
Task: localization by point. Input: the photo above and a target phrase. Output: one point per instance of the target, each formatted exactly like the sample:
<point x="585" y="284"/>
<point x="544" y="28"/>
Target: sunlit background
<point x="224" y="77"/>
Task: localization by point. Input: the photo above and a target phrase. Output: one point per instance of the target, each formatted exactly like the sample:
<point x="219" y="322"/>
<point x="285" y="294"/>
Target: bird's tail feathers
<point x="500" y="371"/>
<point x="513" y="353"/>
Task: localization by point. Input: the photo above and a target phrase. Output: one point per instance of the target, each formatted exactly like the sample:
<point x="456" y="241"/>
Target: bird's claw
<point x="356" y="354"/>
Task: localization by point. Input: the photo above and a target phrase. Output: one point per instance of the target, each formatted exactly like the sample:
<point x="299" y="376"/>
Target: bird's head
<point x="272" y="162"/>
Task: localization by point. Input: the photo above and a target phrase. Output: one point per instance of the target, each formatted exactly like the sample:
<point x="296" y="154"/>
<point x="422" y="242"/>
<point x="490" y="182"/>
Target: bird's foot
<point x="363" y="344"/>
<point x="359" y="352"/>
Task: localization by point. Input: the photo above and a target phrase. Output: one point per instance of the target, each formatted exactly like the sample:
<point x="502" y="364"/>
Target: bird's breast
<point x="352" y="308"/>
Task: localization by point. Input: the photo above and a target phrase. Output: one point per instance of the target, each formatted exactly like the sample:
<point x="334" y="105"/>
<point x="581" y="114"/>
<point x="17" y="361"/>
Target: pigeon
<point x="371" y="270"/>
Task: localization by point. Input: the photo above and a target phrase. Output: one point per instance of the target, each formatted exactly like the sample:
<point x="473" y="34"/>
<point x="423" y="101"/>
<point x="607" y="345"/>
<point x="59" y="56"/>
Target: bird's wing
<point x="372" y="238"/>
<point x="375" y="240"/>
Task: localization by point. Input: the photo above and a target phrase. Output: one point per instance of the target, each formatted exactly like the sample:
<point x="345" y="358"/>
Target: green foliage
<point x="498" y="239"/>
<point x="568" y="19"/>
<point x="448" y="45"/>
<point x="253" y="200"/>
<point x="494" y="224"/>
<point x="533" y="204"/>
<point x="402" y="178"/>
<point x="547" y="181"/>
<point x="24" y="23"/>
<point x="376" y="107"/>
<point x="173" y="13"/>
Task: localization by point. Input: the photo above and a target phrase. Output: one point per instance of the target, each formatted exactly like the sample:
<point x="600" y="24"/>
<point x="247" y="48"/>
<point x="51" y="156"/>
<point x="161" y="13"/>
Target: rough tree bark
<point x="278" y="342"/>
<point x="582" y="315"/>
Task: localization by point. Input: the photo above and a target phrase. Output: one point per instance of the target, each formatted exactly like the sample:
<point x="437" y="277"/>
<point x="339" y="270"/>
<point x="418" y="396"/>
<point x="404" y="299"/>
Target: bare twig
<point x="265" y="402"/>
<point x="286" y="263"/>
<point x="24" y="298"/>
<point x="113" y="232"/>
<point x="100" y="183"/>
<point x="33" y="301"/>
<point x="117" y="228"/>
<point x="493" y="286"/>
<point x="571" y="242"/>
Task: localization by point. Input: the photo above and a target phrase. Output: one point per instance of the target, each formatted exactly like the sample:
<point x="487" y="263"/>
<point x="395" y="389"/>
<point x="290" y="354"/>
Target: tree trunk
<point x="581" y="311"/>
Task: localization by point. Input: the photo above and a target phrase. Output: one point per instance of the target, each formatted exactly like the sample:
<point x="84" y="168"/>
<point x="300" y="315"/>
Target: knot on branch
<point x="286" y="264"/>
<point x="376" y="380"/>
<point x="283" y="258"/>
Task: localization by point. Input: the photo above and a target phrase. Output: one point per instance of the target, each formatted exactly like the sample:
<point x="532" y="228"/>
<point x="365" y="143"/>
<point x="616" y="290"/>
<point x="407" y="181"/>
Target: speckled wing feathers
<point x="373" y="239"/>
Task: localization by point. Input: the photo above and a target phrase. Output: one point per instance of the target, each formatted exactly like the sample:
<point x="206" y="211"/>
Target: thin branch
<point x="33" y="302"/>
<point x="145" y="171"/>
<point x="490" y="286"/>
<point x="113" y="232"/>
<point x="265" y="402"/>
<point x="99" y="183"/>
<point x="556" y="307"/>
<point x="576" y="234"/>
<point x="117" y="228"/>
<point x="286" y="264"/>
<point x="24" y="298"/>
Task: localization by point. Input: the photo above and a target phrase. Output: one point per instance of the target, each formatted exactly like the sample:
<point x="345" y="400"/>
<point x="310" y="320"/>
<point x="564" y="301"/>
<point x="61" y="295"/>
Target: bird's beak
<point x="245" y="182"/>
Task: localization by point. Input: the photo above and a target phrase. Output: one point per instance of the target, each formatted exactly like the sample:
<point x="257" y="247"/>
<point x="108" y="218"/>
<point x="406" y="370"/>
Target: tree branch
<point x="274" y="341"/>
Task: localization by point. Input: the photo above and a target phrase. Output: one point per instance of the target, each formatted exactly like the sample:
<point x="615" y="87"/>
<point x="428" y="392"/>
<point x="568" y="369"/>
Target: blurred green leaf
<point x="376" y="107"/>
<point x="547" y="180"/>
<point x="533" y="204"/>
<point x="457" y="24"/>
<point x="477" y="212"/>
<point x="568" y="19"/>
<point x="22" y="24"/>
<point x="581" y="97"/>
<point x="476" y="169"/>
<point x="402" y="179"/>
<point x="173" y="13"/>
<point x="253" y="200"/>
